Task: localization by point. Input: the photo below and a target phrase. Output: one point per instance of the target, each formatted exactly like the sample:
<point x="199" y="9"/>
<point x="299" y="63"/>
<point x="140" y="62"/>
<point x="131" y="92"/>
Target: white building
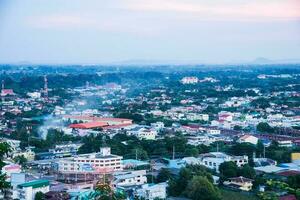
<point x="213" y="131"/>
<point x="285" y="143"/>
<point x="143" y="132"/>
<point x="62" y="150"/>
<point x="103" y="161"/>
<point x="189" y="80"/>
<point x="27" y="191"/>
<point x="248" y="139"/>
<point x="153" y="191"/>
<point x="130" y="178"/>
<point x="34" y="95"/>
<point x="214" y="159"/>
<point x="158" y="126"/>
<point x="200" y="139"/>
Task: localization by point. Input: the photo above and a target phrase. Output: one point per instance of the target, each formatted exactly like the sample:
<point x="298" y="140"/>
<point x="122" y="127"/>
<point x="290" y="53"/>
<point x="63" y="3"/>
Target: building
<point x="27" y="191"/>
<point x="143" y="132"/>
<point x="240" y="183"/>
<point x="214" y="159"/>
<point x="189" y="80"/>
<point x="248" y="139"/>
<point x="14" y="144"/>
<point x="200" y="139"/>
<point x="285" y="143"/>
<point x="101" y="162"/>
<point x="108" y="121"/>
<point x="9" y="169"/>
<point x="64" y="150"/>
<point x="89" y="125"/>
<point x="34" y="95"/>
<point x="152" y="191"/>
<point x="130" y="178"/>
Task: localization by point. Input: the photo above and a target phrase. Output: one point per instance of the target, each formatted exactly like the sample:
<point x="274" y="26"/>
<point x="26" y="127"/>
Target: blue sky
<point x="104" y="31"/>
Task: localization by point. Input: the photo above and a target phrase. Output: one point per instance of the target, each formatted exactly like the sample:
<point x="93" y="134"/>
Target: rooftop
<point x="35" y="184"/>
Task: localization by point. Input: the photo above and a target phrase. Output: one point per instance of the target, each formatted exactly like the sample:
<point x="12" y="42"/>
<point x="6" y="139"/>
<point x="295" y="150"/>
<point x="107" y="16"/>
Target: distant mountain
<point x="262" y="60"/>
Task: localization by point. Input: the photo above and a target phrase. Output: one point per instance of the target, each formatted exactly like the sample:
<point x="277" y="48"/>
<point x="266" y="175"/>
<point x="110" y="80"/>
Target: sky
<point x="113" y="31"/>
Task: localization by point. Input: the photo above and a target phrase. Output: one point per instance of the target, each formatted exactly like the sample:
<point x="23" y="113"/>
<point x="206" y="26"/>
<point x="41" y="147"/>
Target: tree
<point x="200" y="188"/>
<point x="191" y="151"/>
<point x="228" y="170"/>
<point x="294" y="181"/>
<point x="21" y="160"/>
<point x="246" y="171"/>
<point x="163" y="175"/>
<point x="241" y="149"/>
<point x="39" y="196"/>
<point x="4" y="149"/>
<point x="177" y="186"/>
<point x="105" y="192"/>
<point x="264" y="128"/>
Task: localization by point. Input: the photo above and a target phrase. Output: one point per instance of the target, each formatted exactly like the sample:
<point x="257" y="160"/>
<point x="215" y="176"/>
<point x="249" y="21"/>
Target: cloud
<point x="226" y="9"/>
<point x="71" y="21"/>
<point x="60" y="21"/>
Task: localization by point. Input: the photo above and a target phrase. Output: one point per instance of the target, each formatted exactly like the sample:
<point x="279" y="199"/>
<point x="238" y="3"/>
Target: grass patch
<point x="232" y="195"/>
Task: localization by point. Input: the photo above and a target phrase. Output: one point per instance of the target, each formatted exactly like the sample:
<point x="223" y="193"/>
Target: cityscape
<point x="114" y="103"/>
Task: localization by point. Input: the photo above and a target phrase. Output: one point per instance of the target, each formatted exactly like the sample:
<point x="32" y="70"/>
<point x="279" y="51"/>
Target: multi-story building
<point x="63" y="150"/>
<point x="103" y="161"/>
<point x="152" y="191"/>
<point x="214" y="159"/>
<point x="189" y="80"/>
<point x="143" y="132"/>
<point x="27" y="191"/>
<point x="130" y="178"/>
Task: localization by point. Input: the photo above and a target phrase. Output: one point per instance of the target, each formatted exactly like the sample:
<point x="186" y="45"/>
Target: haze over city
<point x="150" y="99"/>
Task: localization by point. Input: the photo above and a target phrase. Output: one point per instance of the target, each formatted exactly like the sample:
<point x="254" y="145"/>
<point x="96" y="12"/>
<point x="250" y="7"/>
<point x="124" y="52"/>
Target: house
<point x="152" y="191"/>
<point x="28" y="190"/>
<point x="225" y="117"/>
<point x="285" y="143"/>
<point x="248" y="139"/>
<point x="189" y="80"/>
<point x="100" y="162"/>
<point x="214" y="159"/>
<point x="143" y="132"/>
<point x="240" y="183"/>
<point x="130" y="178"/>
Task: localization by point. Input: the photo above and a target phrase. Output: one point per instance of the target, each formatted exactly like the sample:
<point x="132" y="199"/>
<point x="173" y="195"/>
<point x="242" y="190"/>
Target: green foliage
<point x="241" y="149"/>
<point x="21" y="160"/>
<point x="178" y="185"/>
<point x="294" y="181"/>
<point x="200" y="188"/>
<point x="264" y="127"/>
<point x="4" y="149"/>
<point x="261" y="103"/>
<point x="39" y="196"/>
<point x="163" y="175"/>
<point x="246" y="171"/>
<point x="228" y="170"/>
<point x="232" y="195"/>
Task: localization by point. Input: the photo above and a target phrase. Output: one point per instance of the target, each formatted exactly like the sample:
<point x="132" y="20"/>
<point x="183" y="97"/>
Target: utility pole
<point x="136" y="155"/>
<point x="173" y="152"/>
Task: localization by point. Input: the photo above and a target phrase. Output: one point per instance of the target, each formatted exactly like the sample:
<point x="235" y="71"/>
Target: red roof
<point x="91" y="118"/>
<point x="7" y="92"/>
<point x="117" y="126"/>
<point x="240" y="179"/>
<point x="288" y="197"/>
<point x="289" y="173"/>
<point x="89" y="125"/>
